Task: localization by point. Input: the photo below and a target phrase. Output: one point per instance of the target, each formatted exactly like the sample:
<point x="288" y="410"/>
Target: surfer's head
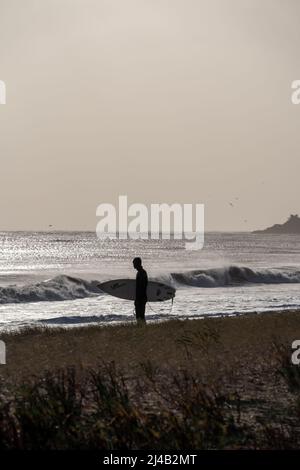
<point x="137" y="263"/>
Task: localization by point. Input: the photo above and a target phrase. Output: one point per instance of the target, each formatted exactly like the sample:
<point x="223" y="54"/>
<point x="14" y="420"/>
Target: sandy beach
<point x="235" y="369"/>
<point x="242" y="342"/>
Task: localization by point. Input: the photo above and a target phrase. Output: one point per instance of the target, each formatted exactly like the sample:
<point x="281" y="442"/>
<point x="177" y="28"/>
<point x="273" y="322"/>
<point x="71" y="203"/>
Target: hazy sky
<point x="161" y="100"/>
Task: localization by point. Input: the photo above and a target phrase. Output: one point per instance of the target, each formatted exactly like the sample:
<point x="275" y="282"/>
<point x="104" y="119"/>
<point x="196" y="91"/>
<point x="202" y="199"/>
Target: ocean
<point x="51" y="279"/>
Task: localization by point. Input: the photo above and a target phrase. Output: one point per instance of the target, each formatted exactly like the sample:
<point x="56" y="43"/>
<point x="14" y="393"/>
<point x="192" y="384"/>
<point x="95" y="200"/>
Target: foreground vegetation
<point x="224" y="383"/>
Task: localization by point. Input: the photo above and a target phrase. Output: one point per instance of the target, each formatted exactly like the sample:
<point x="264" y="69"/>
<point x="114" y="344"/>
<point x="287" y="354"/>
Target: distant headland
<point x="292" y="225"/>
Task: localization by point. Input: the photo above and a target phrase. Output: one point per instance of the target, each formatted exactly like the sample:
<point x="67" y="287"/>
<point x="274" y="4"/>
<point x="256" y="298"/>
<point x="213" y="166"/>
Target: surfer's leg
<point x="137" y="310"/>
<point x="142" y="312"/>
<point x="140" y="307"/>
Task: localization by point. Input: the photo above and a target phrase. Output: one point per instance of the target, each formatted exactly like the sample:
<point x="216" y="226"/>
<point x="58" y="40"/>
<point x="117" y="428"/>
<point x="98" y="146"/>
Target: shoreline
<point x="18" y="330"/>
<point x="26" y="329"/>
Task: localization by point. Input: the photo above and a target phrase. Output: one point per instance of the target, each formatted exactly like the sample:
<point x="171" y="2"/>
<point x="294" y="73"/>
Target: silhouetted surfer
<point x="141" y="290"/>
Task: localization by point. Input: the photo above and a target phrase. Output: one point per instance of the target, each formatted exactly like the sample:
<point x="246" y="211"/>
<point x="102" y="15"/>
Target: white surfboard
<point x="125" y="289"/>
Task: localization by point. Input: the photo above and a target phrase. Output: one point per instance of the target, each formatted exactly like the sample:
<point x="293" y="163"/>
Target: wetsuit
<point x="141" y="294"/>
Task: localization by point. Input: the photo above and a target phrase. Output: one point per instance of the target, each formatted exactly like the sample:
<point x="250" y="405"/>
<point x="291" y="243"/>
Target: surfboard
<point x="125" y="289"/>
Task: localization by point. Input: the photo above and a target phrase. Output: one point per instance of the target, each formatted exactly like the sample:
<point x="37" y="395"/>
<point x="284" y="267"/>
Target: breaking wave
<point x="235" y="275"/>
<point x="70" y="288"/>
<point x="56" y="289"/>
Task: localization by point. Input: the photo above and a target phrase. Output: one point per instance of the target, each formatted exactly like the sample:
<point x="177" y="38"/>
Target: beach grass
<point x="204" y="384"/>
